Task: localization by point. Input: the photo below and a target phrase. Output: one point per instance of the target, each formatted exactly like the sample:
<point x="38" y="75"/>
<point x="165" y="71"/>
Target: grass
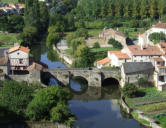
<point x="153" y="107"/>
<point x="9" y="37"/>
<point x="9" y="1"/>
<point x="94" y="32"/>
<point x="102" y="49"/>
<point x="6" y="46"/>
<point x="161" y="119"/>
<point x="135" y="115"/>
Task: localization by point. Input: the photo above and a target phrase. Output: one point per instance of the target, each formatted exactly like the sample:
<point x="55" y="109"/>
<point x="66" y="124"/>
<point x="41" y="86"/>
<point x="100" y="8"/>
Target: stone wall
<point x="33" y="125"/>
<point x="125" y="106"/>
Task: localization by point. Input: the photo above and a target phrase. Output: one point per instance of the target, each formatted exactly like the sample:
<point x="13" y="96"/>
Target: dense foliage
<point x="15" y="96"/>
<point x="115" y="43"/>
<point x="156" y="37"/>
<point x="130" y="90"/>
<point x="94" y="9"/>
<point x="20" y="101"/>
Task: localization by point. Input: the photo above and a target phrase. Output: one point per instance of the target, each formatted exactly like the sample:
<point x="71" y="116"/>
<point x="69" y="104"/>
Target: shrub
<point x="115" y="43"/>
<point x="156" y="37"/>
<point x="142" y="80"/>
<point x="96" y="45"/>
<point x="82" y="32"/>
<point x="130" y="90"/>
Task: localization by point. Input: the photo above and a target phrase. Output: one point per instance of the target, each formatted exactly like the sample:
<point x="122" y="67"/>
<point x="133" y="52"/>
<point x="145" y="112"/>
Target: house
<point x="143" y="39"/>
<point x="106" y="34"/>
<point x="18" y="58"/>
<point x="103" y="63"/>
<point x="132" y="71"/>
<point x="117" y="58"/>
<point x="142" y="54"/>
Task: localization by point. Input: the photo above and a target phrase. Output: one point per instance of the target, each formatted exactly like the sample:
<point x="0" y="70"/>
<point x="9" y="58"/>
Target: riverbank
<point x="149" y="109"/>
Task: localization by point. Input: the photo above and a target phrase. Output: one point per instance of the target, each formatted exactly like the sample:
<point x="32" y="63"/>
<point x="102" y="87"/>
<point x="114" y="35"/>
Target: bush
<point x="115" y="43"/>
<point x="156" y="37"/>
<point x="44" y="100"/>
<point x="142" y="81"/>
<point x="130" y="90"/>
<point x="96" y="45"/>
<point x="15" y="96"/>
<point x="81" y="32"/>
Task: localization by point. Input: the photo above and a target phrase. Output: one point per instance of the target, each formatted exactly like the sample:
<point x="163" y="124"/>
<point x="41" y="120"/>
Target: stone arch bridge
<point x="93" y="76"/>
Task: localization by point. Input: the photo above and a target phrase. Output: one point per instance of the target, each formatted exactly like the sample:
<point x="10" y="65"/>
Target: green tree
<point x="115" y="43"/>
<point x="82" y="32"/>
<point x="15" y="96"/>
<point x="156" y="37"/>
<point x="52" y="39"/>
<point x="44" y="17"/>
<point x="15" y="23"/>
<point x="29" y="35"/>
<point x="130" y="90"/>
<point x="96" y="45"/>
<point x="46" y="99"/>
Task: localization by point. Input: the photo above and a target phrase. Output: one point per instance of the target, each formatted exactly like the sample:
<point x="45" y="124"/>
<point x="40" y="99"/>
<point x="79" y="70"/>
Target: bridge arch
<point x="78" y="84"/>
<point x="110" y="81"/>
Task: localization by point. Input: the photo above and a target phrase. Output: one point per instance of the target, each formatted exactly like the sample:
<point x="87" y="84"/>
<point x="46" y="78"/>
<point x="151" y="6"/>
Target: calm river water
<point x="93" y="107"/>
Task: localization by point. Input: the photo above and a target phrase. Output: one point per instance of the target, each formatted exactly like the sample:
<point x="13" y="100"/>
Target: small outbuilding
<point x="132" y="71"/>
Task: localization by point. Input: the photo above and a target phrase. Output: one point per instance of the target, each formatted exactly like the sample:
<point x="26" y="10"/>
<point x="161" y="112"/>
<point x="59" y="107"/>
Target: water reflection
<point x="96" y="107"/>
<point x="78" y="84"/>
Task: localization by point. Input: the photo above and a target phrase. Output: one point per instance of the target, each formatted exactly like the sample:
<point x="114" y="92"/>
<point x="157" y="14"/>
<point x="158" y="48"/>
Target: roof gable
<point x="22" y="48"/>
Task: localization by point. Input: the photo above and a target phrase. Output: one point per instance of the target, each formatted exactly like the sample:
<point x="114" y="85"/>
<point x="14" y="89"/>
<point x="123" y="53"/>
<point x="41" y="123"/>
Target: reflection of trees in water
<point x="37" y="50"/>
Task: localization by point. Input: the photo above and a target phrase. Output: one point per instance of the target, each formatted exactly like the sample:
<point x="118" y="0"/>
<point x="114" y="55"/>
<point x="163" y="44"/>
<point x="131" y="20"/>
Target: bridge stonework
<point x="93" y="76"/>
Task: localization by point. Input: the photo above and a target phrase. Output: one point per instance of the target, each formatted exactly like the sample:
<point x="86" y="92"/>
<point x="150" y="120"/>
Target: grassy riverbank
<point x="152" y="103"/>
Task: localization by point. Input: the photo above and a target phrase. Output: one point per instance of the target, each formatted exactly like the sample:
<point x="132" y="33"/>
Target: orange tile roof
<point x="104" y="61"/>
<point x="21" y="5"/>
<point x="163" y="46"/>
<point x="147" y="51"/>
<point x="35" y="66"/>
<point x="158" y="59"/>
<point x="22" y="48"/>
<point x="161" y="67"/>
<point x="160" y="25"/>
<point x="120" y="55"/>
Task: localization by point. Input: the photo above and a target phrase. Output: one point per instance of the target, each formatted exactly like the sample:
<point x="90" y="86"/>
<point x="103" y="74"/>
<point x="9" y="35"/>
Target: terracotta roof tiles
<point x="120" y="55"/>
<point x="104" y="61"/>
<point x="160" y="25"/>
<point x="22" y="48"/>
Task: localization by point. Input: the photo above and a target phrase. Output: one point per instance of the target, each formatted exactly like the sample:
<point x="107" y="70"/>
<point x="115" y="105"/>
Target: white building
<point x="18" y="58"/>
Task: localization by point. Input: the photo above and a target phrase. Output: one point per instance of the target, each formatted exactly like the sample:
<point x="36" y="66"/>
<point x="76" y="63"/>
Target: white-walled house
<point x="143" y="39"/>
<point x="18" y="58"/>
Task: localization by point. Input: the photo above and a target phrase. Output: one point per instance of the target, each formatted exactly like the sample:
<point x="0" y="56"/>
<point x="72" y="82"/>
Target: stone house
<point x="106" y="34"/>
<point x="132" y="71"/>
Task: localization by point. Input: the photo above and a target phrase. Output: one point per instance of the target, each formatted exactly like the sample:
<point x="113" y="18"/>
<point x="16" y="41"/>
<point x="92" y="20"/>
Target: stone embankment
<point x="68" y="59"/>
<point x="34" y="125"/>
<point x="141" y="115"/>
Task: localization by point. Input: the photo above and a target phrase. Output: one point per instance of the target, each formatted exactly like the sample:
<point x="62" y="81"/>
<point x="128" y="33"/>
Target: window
<point x="18" y="53"/>
<point x="21" y="61"/>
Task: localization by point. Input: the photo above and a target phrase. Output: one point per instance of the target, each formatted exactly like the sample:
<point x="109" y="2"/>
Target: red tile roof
<point x="158" y="59"/>
<point x="160" y="25"/>
<point x="104" y="61"/>
<point x="120" y="55"/>
<point x="35" y="66"/>
<point x="161" y="67"/>
<point x="163" y="46"/>
<point x="22" y="48"/>
<point x="147" y="51"/>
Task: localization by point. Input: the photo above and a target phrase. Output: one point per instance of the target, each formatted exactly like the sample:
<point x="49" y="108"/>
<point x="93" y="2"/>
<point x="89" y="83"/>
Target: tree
<point x="130" y="90"/>
<point x="82" y="32"/>
<point x="52" y="39"/>
<point x="156" y="37"/>
<point x="46" y="99"/>
<point x="32" y="13"/>
<point x="44" y="17"/>
<point x="62" y="114"/>
<point x="115" y="43"/>
<point x="15" y="23"/>
<point x="29" y="35"/>
<point x="15" y="96"/>
<point x="69" y="39"/>
<point x="96" y="45"/>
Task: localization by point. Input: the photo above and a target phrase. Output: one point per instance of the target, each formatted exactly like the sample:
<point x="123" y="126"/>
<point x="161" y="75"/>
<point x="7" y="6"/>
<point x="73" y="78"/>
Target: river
<point x="93" y="107"/>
